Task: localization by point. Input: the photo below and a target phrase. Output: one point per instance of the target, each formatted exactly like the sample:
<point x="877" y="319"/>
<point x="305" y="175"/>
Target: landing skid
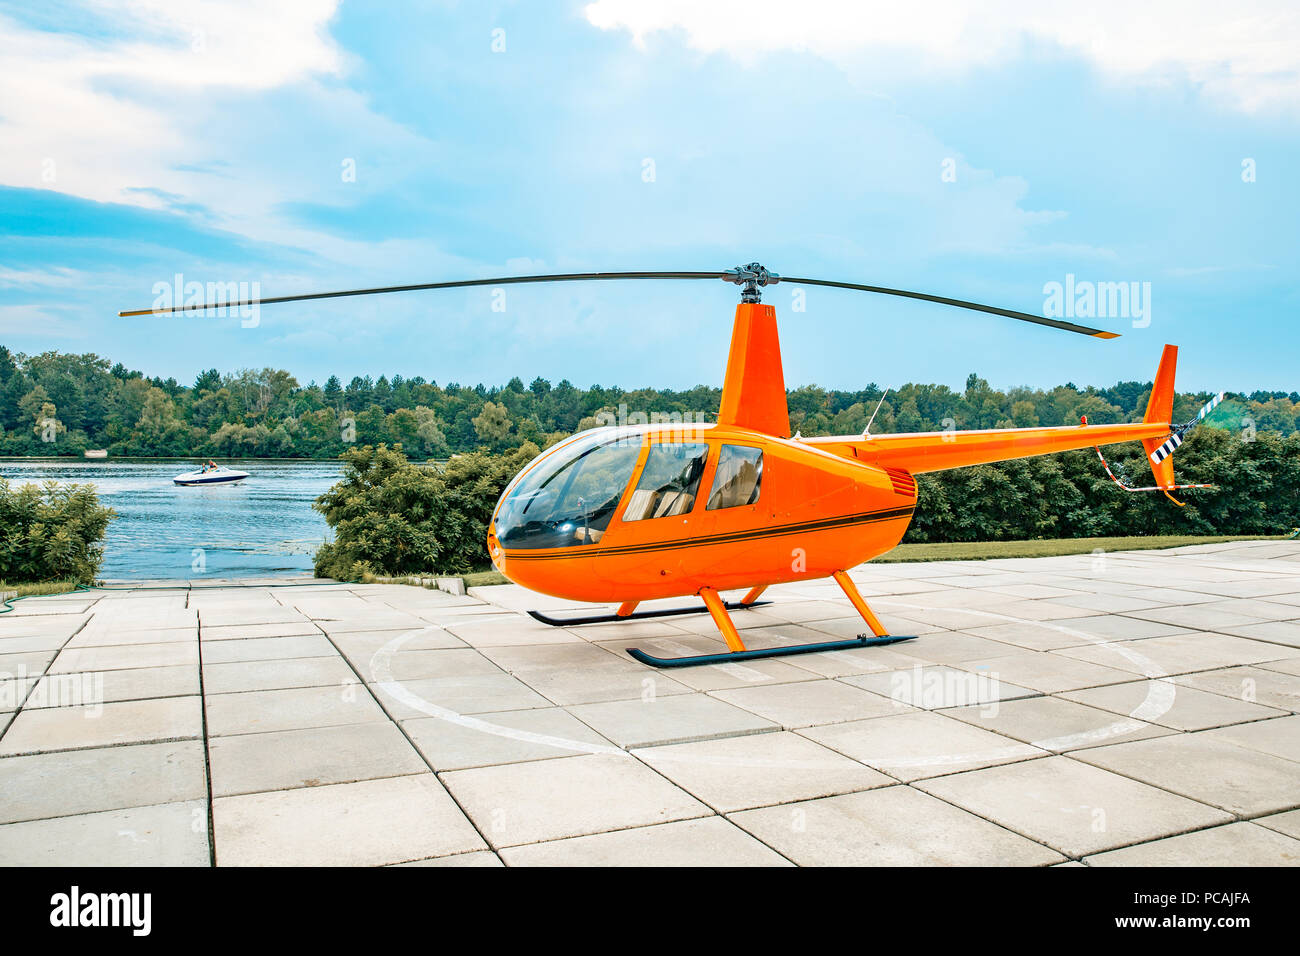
<point x="733" y="656"/>
<point x="634" y="616"/>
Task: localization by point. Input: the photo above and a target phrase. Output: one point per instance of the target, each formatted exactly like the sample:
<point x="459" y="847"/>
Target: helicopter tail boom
<point x="939" y="451"/>
<point x="922" y="452"/>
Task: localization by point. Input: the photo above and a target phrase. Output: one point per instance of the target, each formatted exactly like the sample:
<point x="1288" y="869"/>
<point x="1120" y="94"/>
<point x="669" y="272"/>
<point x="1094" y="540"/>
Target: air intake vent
<point x="904" y="484"/>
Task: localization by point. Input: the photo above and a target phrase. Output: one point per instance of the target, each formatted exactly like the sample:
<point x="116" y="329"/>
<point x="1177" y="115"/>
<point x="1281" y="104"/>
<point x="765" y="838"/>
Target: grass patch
<point x="1052" y="547"/>
<point x="36" y="588"/>
<point x="472" y="580"/>
<point x="478" y="579"/>
<point x="12" y="592"/>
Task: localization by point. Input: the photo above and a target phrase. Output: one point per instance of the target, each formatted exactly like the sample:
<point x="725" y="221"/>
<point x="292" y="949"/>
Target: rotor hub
<point x="751" y="278"/>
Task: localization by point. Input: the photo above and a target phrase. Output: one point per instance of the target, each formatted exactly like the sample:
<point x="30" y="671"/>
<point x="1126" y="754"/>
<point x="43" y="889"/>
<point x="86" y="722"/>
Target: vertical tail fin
<point x="753" y="394"/>
<point x="1160" y="409"/>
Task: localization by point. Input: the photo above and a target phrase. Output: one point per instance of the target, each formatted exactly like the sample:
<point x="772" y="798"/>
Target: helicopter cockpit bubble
<point x="568" y="498"/>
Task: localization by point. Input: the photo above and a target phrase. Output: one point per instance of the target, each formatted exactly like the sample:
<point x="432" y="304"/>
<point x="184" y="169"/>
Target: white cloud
<point x="27" y="320"/>
<point x="224" y="112"/>
<point x="39" y="278"/>
<point x="95" y="117"/>
<point x="1245" y="54"/>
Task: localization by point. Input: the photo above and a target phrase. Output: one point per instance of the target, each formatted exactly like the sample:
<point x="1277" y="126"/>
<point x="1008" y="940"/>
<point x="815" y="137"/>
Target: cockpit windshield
<point x="568" y="499"/>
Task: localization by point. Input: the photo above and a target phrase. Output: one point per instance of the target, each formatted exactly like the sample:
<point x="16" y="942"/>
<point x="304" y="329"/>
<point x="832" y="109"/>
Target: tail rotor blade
<point x="1208" y="407"/>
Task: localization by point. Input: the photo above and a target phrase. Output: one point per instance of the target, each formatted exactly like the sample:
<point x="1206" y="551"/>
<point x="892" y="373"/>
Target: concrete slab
<point x="360" y="646"/>
<point x="1201" y="617"/>
<point x="293" y="709"/>
<point x="1269" y="687"/>
<point x="1206" y="768"/>
<point x="145" y="683"/>
<point x="719" y="676"/>
<point x="1183" y="653"/>
<point x="272" y="675"/>
<point x="920" y="744"/>
<point x="1051" y="723"/>
<point x="567" y="674"/>
<point x="408" y="664"/>
<point x="895" y="826"/>
<point x="267" y="649"/>
<point x="241" y="632"/>
<point x="1287" y="823"/>
<point x="571" y="796"/>
<point x="869" y="660"/>
<point x="654" y="721"/>
<point x="125" y="656"/>
<point x="36" y="643"/>
<point x="501" y="632"/>
<point x="951" y="647"/>
<point x="126" y="634"/>
<point x="686" y="843"/>
<point x="47" y="785"/>
<point x="935" y="686"/>
<point x="368" y="823"/>
<point x="168" y="834"/>
<point x="1072" y="807"/>
<point x="473" y="694"/>
<point x="103" y="725"/>
<point x="317" y="756"/>
<point x="1237" y="844"/>
<point x="1047" y="673"/>
<point x="502" y="738"/>
<point x="474" y="859"/>
<point x="1113" y="626"/>
<point x="1274" y="632"/>
<point x="811" y="703"/>
<point x="740" y="773"/>
<point x="1169" y="703"/>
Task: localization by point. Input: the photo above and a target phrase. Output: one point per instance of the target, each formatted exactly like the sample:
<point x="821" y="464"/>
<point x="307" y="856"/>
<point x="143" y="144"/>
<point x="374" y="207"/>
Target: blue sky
<point x="211" y="140"/>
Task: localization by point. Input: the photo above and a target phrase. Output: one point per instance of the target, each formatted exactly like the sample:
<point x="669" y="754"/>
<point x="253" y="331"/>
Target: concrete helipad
<point x="1121" y="709"/>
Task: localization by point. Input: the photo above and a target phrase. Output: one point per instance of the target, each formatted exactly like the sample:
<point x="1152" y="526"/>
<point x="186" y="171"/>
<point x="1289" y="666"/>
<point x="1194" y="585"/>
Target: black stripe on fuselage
<point x="824" y="524"/>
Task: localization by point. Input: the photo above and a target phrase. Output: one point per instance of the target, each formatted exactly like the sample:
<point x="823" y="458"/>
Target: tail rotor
<point x="1160" y="409"/>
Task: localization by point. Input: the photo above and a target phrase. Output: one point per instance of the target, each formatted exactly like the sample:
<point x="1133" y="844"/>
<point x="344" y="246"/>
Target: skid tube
<point x="635" y="615"/>
<point x="733" y="656"/>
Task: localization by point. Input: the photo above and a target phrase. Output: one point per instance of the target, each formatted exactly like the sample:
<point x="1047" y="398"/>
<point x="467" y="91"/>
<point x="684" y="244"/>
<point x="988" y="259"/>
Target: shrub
<point x="51" y="532"/>
<point x="393" y="518"/>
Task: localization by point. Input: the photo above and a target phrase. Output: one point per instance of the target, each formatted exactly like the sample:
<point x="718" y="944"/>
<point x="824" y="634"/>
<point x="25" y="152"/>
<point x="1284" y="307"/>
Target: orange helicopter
<point x="629" y="514"/>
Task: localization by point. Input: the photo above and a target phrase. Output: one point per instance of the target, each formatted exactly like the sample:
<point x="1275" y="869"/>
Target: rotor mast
<point x="753" y="392"/>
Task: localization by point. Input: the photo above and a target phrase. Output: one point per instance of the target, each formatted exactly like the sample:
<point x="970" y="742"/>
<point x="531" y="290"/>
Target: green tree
<point x="492" y="425"/>
<point x="53" y="532"/>
<point x="394" y="518"/>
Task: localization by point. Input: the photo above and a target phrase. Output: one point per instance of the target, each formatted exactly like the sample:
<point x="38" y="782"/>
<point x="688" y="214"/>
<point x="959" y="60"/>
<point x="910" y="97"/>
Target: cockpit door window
<point x="669" y="481"/>
<point x="738" y="479"/>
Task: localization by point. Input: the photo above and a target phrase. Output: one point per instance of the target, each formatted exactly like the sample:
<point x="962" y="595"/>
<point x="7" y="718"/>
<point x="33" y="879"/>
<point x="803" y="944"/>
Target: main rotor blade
<point x="729" y="276"/>
<point x="959" y="303"/>
<point x="458" y="284"/>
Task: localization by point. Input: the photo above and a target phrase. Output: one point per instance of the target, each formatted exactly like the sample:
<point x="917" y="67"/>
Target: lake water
<point x="263" y="526"/>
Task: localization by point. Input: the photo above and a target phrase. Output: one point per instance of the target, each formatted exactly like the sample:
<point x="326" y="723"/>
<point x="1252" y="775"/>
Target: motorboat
<point x="211" y="474"/>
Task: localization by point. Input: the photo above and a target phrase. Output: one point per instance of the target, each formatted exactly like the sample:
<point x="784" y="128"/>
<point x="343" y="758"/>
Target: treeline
<point x="62" y="404"/>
